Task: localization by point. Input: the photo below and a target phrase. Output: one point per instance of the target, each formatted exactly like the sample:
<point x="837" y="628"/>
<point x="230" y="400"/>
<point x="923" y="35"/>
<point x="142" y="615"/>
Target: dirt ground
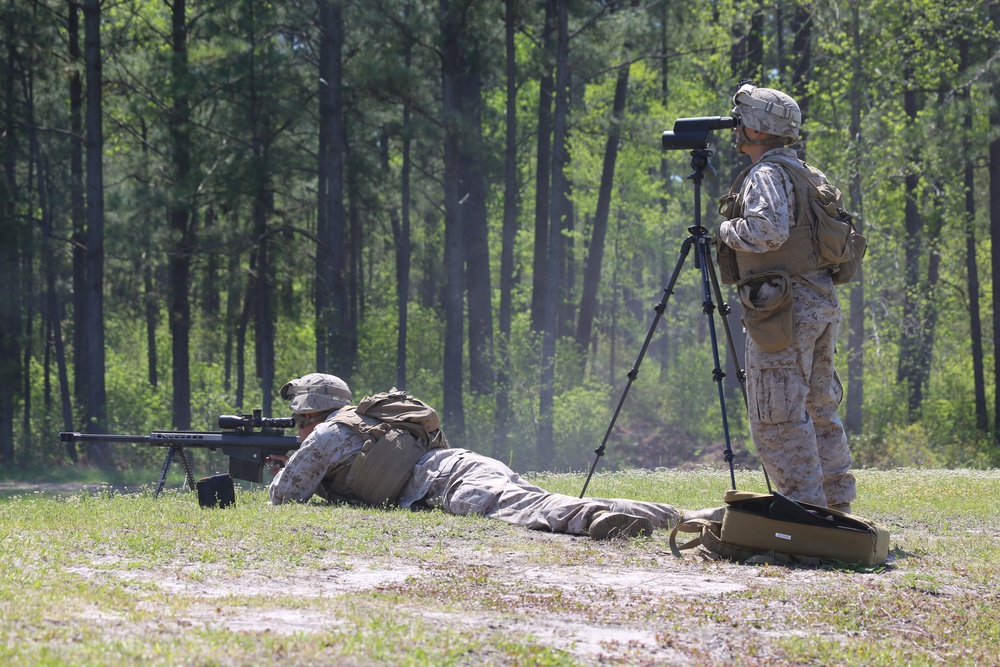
<point x="602" y="598"/>
<point x="618" y="604"/>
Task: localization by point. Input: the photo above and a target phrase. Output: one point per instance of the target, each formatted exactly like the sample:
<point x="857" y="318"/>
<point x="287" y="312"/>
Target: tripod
<point x="699" y="240"/>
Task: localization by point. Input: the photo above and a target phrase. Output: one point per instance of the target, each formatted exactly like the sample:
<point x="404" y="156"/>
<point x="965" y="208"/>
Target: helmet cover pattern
<point x="316" y="392"/>
<point x="768" y="110"/>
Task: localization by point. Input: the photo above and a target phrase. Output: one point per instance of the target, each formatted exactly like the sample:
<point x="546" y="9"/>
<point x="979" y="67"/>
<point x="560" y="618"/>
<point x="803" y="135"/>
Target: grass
<point x="109" y="578"/>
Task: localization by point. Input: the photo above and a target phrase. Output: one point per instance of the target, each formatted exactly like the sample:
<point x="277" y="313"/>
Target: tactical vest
<point x="398" y="430"/>
<point x="823" y="235"/>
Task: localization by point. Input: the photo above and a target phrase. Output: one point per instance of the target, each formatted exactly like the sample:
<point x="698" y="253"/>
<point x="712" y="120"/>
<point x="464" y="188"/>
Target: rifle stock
<point x="248" y="441"/>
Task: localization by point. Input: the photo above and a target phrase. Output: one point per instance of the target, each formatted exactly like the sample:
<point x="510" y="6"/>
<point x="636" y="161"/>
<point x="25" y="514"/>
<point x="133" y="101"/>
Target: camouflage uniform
<point x="793" y="394"/>
<point x="457" y="481"/>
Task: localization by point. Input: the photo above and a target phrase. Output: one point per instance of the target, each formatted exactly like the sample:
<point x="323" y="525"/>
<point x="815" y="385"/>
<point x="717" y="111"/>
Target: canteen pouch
<point x="767" y="309"/>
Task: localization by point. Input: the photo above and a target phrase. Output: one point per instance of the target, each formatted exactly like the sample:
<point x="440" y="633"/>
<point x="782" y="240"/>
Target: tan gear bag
<point x="770" y="528"/>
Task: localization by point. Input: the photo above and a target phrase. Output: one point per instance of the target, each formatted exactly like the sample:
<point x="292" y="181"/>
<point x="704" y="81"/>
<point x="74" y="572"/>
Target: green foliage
<point x="920" y="445"/>
<point x="251" y="88"/>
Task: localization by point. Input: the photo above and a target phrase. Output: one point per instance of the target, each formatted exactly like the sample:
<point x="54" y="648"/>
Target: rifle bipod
<point x="185" y="464"/>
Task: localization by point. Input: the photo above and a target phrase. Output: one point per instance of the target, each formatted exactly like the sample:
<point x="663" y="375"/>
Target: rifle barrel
<point x="205" y="439"/>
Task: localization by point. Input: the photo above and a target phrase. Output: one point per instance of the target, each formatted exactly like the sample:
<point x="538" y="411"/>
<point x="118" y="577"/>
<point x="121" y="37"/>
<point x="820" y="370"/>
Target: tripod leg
<point x="734" y="354"/>
<point x="741" y="374"/>
<point x="705" y="262"/>
<point x="634" y="372"/>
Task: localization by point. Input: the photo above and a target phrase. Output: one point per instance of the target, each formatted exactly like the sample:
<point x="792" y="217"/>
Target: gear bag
<point x="398" y="430"/>
<point x="771" y="529"/>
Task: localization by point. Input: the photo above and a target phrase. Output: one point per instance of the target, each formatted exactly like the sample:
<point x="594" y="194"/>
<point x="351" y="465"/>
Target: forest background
<point x="468" y="199"/>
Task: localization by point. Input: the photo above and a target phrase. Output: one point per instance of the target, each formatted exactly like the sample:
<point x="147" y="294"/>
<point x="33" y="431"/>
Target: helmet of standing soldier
<point x="768" y="110"/>
<point x="316" y="392"/>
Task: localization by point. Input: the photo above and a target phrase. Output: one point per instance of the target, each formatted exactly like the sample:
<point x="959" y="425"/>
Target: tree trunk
<point x="994" y="172"/>
<point x="210" y="302"/>
<point x="802" y="50"/>
<point x="543" y="169"/>
<point x="181" y="222"/>
<point x="401" y="223"/>
<point x="249" y="306"/>
<point x="454" y="256"/>
<point x="332" y="339"/>
<point x="10" y="243"/>
<point x="911" y="325"/>
<point x="553" y="283"/>
<point x="595" y="258"/>
<point x="92" y="320"/>
<point x="972" y="276"/>
<point x="927" y="304"/>
<point x="263" y="298"/>
<point x="152" y="310"/>
<point x="233" y="315"/>
<point x="475" y="233"/>
<point x="77" y="202"/>
<point x="354" y="250"/>
<point x="508" y="236"/>
<point x="856" y="329"/>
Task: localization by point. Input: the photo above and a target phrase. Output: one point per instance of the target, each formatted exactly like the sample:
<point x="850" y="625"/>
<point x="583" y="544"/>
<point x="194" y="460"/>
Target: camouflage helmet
<point x="316" y="392"/>
<point x="768" y="110"/>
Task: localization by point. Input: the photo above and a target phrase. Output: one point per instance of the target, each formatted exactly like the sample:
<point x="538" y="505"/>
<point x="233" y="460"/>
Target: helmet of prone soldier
<point x="316" y="392"/>
<point x="768" y="110"/>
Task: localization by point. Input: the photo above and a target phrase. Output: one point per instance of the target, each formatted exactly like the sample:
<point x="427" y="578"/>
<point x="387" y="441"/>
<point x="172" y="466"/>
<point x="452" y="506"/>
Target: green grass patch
<point x="105" y="577"/>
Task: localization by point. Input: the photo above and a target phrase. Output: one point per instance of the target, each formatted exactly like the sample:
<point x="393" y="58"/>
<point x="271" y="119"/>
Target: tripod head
<point x="701" y="163"/>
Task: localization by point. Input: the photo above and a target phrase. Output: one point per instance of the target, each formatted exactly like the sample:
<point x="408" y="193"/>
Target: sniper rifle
<point x="248" y="440"/>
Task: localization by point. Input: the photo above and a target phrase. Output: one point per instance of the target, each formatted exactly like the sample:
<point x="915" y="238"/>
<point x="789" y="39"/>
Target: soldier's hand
<point x="277" y="462"/>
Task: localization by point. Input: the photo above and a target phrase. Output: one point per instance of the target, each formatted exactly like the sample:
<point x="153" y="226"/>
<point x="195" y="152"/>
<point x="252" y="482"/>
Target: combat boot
<point x="709" y="514"/>
<point x="608" y="525"/>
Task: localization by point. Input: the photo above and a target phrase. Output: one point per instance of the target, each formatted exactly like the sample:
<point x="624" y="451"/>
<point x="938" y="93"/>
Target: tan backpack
<point x="823" y="229"/>
<point x="398" y="431"/>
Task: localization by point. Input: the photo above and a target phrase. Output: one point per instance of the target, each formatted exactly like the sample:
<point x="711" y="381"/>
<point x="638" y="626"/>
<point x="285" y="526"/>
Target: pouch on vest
<point x="729" y="269"/>
<point x="846" y="272"/>
<point x="832" y="228"/>
<point x="767" y="309"/>
<point x="838" y="245"/>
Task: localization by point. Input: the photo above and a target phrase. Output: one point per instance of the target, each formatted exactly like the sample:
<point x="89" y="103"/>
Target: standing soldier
<point x="791" y="311"/>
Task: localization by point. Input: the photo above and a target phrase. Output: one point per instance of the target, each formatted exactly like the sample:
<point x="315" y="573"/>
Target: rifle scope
<point x="243" y="422"/>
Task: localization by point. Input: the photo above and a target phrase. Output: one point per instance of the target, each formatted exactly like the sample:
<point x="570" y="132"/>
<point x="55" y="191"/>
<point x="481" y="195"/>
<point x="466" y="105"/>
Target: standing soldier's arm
<point x="767" y="213"/>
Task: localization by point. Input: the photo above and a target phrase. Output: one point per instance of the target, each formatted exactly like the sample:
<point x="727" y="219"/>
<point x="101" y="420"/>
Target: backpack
<point x="398" y="430"/>
<point x="835" y="236"/>
<point x="772" y="529"/>
<point x="832" y="236"/>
